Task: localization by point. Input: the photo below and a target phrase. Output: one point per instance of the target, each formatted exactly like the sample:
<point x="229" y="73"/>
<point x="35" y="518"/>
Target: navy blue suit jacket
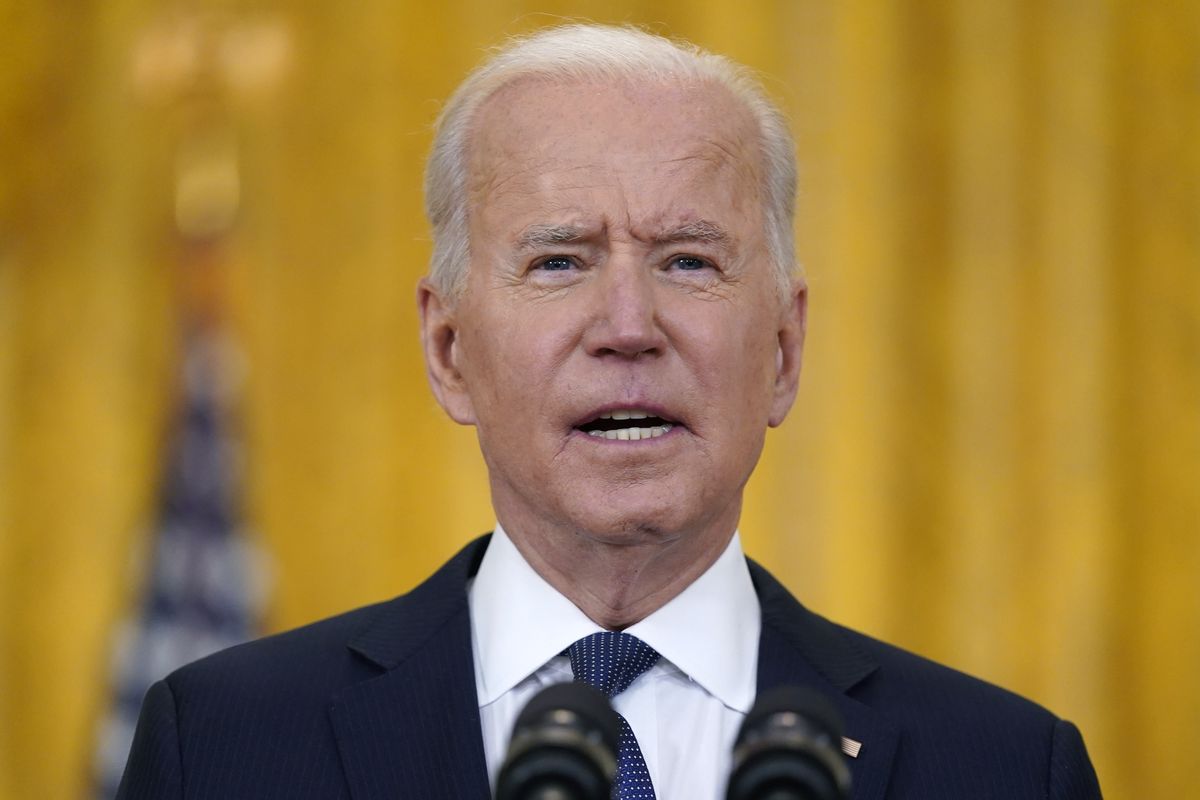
<point x="380" y="703"/>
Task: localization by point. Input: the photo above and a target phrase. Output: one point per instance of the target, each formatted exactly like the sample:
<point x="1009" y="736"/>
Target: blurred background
<point x="213" y="413"/>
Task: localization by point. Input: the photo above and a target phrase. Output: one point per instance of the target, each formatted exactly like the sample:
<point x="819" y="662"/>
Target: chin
<point x="631" y="536"/>
<point x="633" y="526"/>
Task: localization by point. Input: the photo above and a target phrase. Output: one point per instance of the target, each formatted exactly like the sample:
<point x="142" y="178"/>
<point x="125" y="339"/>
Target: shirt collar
<point x="709" y="631"/>
<point x="518" y="620"/>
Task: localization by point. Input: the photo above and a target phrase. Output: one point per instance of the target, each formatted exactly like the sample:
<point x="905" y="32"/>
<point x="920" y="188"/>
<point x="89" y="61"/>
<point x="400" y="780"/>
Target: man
<point x="612" y="306"/>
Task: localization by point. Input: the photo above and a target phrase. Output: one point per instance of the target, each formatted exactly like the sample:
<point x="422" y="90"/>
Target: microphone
<point x="789" y="748"/>
<point x="563" y="747"/>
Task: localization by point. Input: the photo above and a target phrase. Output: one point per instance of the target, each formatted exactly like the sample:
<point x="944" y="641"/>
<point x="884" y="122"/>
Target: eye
<point x="689" y="263"/>
<point x="555" y="264"/>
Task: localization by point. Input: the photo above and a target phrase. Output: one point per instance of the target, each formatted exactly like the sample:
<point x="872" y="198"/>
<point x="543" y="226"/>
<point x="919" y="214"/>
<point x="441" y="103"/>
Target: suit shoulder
<point x="906" y="681"/>
<point x="897" y="682"/>
<point x="321" y="657"/>
<point x="958" y="730"/>
<point x="314" y="655"/>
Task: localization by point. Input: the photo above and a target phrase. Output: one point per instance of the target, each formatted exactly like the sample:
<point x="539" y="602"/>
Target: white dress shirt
<point x="685" y="710"/>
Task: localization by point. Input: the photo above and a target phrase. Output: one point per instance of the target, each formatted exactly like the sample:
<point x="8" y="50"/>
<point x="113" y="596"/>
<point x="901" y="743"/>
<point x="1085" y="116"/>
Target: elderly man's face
<point x="622" y="343"/>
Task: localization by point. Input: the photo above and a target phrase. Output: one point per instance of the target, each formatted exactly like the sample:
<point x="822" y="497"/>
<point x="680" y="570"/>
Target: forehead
<point x="657" y="148"/>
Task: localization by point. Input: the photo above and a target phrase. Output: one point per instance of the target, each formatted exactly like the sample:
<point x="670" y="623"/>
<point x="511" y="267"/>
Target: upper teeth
<point x="627" y="414"/>
<point x="634" y="433"/>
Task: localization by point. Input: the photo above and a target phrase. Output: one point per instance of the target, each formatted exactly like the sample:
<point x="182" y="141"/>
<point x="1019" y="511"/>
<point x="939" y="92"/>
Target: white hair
<point x="588" y="52"/>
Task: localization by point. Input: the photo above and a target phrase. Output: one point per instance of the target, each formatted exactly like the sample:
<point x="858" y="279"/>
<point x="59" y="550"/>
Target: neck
<point x="619" y="580"/>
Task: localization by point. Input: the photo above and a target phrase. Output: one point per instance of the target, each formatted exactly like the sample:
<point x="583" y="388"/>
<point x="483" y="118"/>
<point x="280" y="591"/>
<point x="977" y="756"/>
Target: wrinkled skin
<point x="618" y="261"/>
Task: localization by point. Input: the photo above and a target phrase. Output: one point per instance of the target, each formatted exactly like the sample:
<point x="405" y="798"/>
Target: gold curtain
<point x="995" y="455"/>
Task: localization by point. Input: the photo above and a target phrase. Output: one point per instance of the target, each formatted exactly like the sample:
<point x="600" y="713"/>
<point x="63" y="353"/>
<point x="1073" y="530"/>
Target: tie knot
<point x="610" y="661"/>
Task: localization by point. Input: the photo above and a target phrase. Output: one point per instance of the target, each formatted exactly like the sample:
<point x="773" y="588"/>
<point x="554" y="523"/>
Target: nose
<point x="625" y="319"/>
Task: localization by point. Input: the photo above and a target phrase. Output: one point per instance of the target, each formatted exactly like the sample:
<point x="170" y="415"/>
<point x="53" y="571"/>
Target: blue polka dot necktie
<point x="611" y="662"/>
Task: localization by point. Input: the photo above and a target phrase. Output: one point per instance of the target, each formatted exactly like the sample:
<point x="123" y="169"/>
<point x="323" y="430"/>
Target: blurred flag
<point x="204" y="580"/>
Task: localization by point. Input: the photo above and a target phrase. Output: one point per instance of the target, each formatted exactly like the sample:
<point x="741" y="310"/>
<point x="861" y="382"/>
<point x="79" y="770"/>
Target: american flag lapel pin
<point x="851" y="747"/>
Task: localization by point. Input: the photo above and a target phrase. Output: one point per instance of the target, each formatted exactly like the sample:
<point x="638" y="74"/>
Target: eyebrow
<point x="544" y="235"/>
<point x="538" y="236"/>
<point x="700" y="230"/>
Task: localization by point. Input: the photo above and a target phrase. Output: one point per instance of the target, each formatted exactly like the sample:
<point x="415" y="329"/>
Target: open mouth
<point x="627" y="425"/>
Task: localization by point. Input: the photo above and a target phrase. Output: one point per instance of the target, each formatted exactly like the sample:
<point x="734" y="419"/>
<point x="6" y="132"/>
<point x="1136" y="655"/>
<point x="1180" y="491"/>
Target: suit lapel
<point x="414" y="730"/>
<point x="800" y="648"/>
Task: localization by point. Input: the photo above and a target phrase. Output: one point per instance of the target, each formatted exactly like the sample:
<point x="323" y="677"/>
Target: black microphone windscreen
<point x="580" y="698"/>
<point x="789" y="748"/>
<point x="563" y="747"/>
<point x="814" y="708"/>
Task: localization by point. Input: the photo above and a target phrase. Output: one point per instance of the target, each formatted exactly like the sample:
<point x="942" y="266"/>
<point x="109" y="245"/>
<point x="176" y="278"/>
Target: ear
<point x="440" y="344"/>
<point x="792" y="326"/>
